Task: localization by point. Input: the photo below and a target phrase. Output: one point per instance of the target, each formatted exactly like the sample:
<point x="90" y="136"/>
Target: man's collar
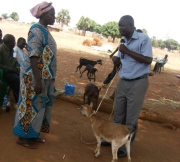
<point x="134" y="36"/>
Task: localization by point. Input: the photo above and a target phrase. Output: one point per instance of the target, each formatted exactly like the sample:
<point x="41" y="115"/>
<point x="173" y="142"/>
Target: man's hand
<point x="38" y="87"/>
<point x="111" y="55"/>
<point x="123" y="49"/>
<point x="116" y="60"/>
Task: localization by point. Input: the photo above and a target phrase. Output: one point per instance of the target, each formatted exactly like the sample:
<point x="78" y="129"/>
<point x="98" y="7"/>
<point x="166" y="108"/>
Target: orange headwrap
<point x="41" y="8"/>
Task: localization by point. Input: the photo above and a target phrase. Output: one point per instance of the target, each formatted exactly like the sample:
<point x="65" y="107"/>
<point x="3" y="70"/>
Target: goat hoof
<point x="96" y="155"/>
<point x="114" y="160"/>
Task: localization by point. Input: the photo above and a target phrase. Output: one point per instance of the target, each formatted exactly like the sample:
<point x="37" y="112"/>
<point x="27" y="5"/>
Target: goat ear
<point x="82" y="106"/>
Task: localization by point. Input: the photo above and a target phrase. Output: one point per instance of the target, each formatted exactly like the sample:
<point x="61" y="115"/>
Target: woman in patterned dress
<point x="37" y="80"/>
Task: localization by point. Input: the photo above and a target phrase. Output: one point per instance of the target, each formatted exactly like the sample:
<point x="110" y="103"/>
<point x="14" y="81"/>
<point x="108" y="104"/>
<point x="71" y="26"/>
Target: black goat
<point x="83" y="61"/>
<point x="91" y="72"/>
<point x="92" y="92"/>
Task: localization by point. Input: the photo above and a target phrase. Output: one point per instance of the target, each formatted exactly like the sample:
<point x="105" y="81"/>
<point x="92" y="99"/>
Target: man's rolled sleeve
<point x="146" y="47"/>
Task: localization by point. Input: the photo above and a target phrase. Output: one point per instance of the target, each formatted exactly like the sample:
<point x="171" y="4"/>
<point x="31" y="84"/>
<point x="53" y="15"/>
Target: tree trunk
<point x="84" y="31"/>
<point x="113" y="39"/>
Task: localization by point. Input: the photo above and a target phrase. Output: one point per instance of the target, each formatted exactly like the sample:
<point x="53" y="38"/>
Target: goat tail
<point x="132" y="132"/>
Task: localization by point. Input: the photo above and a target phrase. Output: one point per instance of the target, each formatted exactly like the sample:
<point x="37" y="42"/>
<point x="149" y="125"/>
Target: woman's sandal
<point x="40" y="140"/>
<point x="27" y="143"/>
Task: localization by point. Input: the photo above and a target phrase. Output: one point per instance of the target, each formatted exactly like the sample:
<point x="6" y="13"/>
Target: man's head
<point x="21" y="43"/>
<point x="0" y="34"/>
<point x="166" y="56"/>
<point x="126" y="26"/>
<point x="9" y="41"/>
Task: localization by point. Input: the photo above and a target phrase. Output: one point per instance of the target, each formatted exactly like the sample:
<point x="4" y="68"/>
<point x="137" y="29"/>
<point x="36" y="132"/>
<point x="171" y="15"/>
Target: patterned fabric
<point x="34" y="111"/>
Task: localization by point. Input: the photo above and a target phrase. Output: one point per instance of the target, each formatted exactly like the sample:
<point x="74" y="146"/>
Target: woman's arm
<point x="35" y="70"/>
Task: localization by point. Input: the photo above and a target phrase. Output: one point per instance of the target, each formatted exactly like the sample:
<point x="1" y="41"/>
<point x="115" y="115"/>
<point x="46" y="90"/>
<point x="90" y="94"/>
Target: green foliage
<point x="95" y="27"/>
<point x="161" y="44"/>
<point x="171" y="44"/>
<point x="83" y="24"/>
<point x="111" y="29"/>
<point x="5" y="15"/>
<point x="154" y="41"/>
<point x="63" y="17"/>
<point x="14" y="16"/>
<point x="144" y="31"/>
<point x="98" y="29"/>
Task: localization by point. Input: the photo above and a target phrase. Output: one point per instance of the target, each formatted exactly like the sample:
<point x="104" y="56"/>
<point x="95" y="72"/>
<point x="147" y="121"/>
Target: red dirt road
<point x="154" y="143"/>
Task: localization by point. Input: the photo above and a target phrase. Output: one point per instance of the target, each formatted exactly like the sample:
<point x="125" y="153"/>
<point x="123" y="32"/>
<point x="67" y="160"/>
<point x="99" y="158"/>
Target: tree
<point x="161" y="44"/>
<point x="171" y="44"/>
<point x="5" y="15"/>
<point x="83" y="24"/>
<point x="63" y="17"/>
<point x="14" y="16"/>
<point x="98" y="29"/>
<point x="95" y="27"/>
<point x="144" y="31"/>
<point x="111" y="29"/>
<point x="154" y="41"/>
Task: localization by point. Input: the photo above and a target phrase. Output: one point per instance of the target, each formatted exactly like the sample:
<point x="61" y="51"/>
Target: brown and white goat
<point x="117" y="134"/>
<point x="83" y="61"/>
<point x="91" y="70"/>
<point x="92" y="92"/>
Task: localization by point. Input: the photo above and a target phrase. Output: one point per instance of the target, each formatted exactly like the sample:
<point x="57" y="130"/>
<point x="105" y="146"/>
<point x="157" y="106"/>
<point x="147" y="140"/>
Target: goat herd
<point x="91" y="90"/>
<point x="91" y="70"/>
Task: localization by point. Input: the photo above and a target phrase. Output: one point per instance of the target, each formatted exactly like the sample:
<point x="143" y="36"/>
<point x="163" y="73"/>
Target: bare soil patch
<point x="154" y="143"/>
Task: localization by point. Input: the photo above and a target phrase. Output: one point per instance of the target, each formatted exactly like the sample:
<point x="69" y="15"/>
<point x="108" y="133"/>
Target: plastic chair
<point x="5" y="88"/>
<point x="160" y="66"/>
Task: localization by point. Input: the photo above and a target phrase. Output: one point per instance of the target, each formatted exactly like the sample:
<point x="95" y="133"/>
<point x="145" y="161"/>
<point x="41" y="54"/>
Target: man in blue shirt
<point x="135" y="54"/>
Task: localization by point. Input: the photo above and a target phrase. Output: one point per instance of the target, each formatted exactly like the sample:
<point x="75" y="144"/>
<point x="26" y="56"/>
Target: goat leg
<point x="89" y="76"/>
<point x="84" y="97"/>
<point x="97" y="151"/>
<point x="82" y="72"/>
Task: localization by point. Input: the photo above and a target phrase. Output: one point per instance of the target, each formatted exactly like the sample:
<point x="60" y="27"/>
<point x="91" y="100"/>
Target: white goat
<point x="117" y="134"/>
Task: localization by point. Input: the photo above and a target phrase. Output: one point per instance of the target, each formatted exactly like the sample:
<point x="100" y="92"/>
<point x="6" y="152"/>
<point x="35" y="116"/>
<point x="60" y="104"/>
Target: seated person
<point x="9" y="64"/>
<point x="162" y="61"/>
<point x="20" y="54"/>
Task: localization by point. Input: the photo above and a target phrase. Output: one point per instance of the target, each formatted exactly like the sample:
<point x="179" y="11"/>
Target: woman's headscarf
<point x="41" y="8"/>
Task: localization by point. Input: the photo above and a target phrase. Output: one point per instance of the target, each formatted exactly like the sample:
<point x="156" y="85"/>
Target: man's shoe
<point x="121" y="153"/>
<point x="105" y="143"/>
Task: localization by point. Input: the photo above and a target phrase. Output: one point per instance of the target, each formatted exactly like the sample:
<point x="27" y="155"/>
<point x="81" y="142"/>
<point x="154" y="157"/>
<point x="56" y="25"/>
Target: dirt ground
<point x="155" y="142"/>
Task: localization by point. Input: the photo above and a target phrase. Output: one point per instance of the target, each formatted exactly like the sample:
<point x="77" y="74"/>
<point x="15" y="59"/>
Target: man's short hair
<point x="20" y="40"/>
<point x="129" y="18"/>
<point x="8" y="38"/>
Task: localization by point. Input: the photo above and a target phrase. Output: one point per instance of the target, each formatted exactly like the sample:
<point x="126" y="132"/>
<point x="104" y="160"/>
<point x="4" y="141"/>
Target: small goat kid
<point x="83" y="61"/>
<point x="91" y="72"/>
<point x="117" y="134"/>
<point x="92" y="92"/>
